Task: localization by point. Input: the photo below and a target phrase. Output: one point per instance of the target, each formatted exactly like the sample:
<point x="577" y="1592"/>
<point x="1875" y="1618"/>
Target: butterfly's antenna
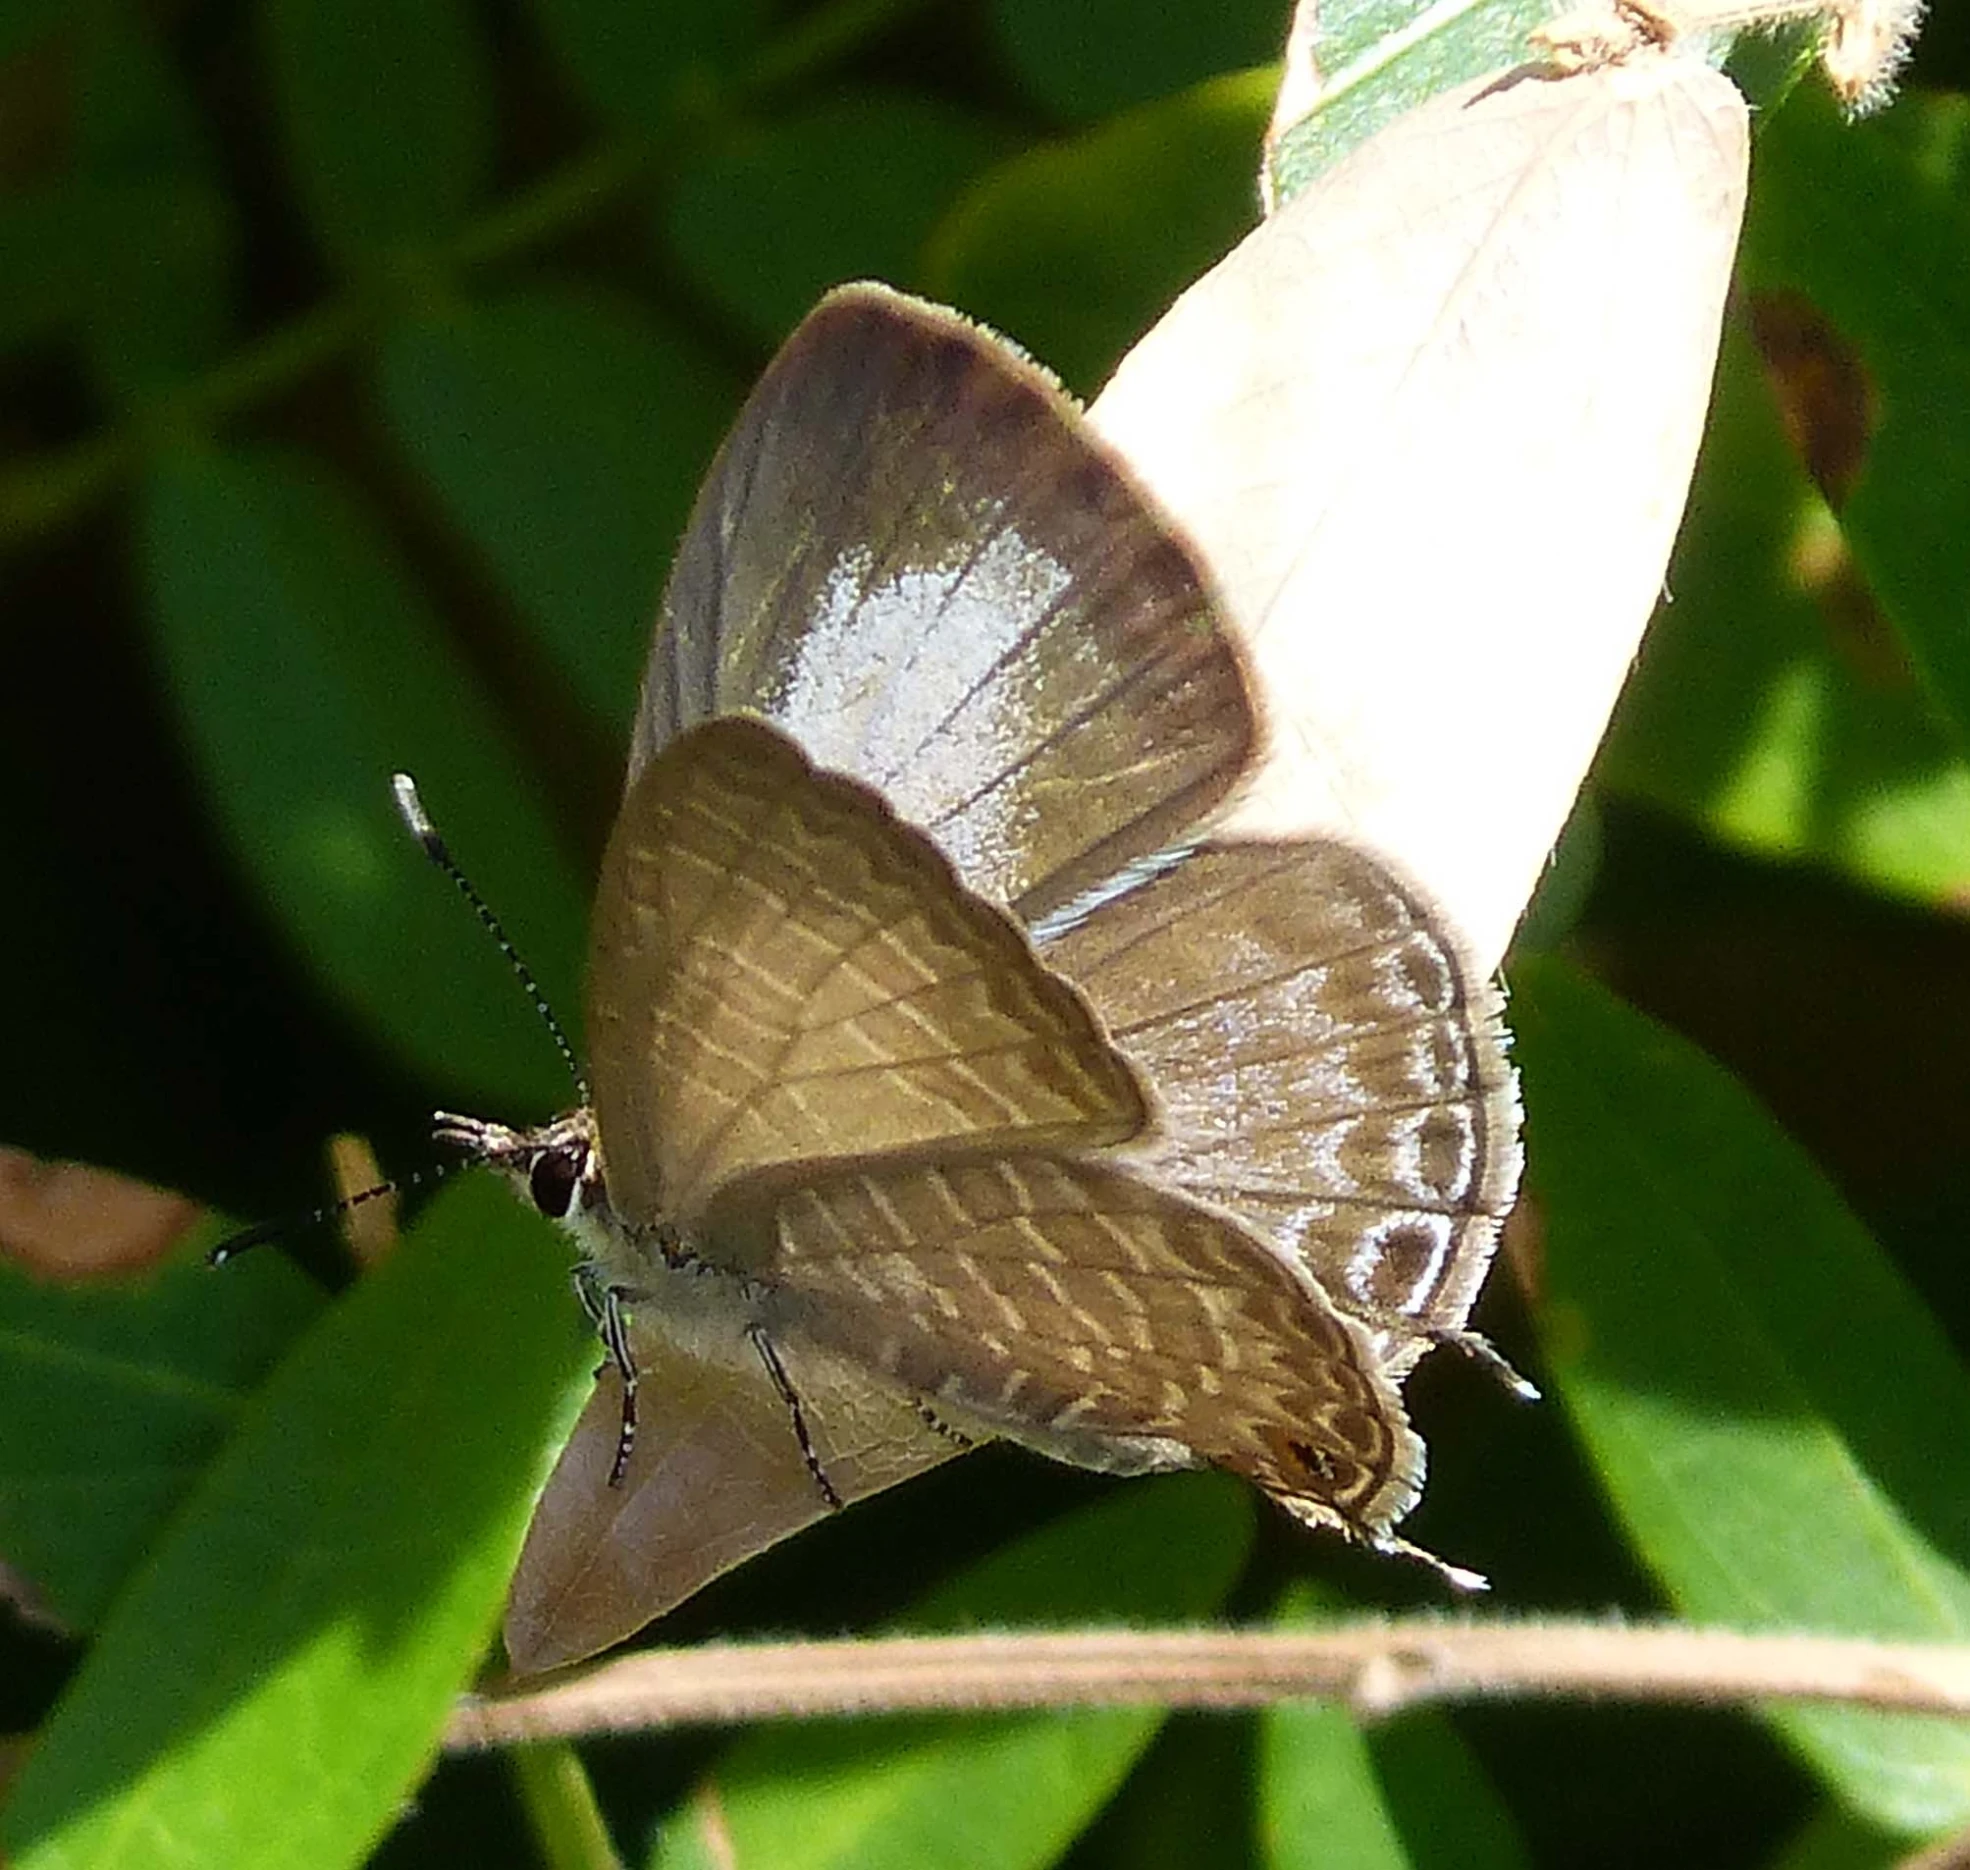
<point x="411" y="809"/>
<point x="249" y="1237"/>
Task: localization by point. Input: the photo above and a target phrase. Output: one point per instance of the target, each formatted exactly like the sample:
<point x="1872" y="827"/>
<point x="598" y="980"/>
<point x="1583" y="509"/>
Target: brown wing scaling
<point x="914" y="556"/>
<point x="1096" y="1316"/>
<point x="1326" y="1065"/>
<point x="781" y="971"/>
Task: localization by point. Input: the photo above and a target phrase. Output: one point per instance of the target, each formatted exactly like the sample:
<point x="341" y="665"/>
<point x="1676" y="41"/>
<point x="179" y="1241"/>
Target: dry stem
<point x="1373" y="1669"/>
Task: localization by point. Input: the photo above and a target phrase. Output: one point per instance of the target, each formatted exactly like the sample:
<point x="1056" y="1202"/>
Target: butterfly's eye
<point x="552" y="1181"/>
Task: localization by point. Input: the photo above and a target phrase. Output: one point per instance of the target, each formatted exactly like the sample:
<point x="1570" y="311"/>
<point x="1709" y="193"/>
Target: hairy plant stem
<point x="1372" y="1668"/>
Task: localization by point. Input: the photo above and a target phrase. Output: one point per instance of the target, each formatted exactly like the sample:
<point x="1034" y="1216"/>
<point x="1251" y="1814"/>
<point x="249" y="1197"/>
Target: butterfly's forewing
<point x="914" y="556"/>
<point x="717" y="1476"/>
<point x="1094" y="1314"/>
<point x="782" y="972"/>
<point x="1327" y="1065"/>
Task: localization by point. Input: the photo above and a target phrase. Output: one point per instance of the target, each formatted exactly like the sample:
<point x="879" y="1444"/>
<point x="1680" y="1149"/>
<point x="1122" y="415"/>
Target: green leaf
<point x="1446" y="1810"/>
<point x="1187" y="1801"/>
<point x="24" y="23"/>
<point x="640" y="64"/>
<point x="273" y="1683"/>
<point x="159" y="227"/>
<point x="158" y="302"/>
<point x="133" y="244"/>
<point x="1319" y="1801"/>
<point x="47" y="259"/>
<point x="1160" y="1551"/>
<point x="562" y="1810"/>
<point x="566" y="434"/>
<point x="1834" y="1839"/>
<point x="306" y="671"/>
<point x="1095" y="57"/>
<point x="388" y="115"/>
<point x="1130" y="212"/>
<point x="1873" y="227"/>
<point x="115" y="1398"/>
<point x="849" y="189"/>
<point x="1380" y="58"/>
<point x="1929" y="135"/>
<point x="1775" y="1417"/>
<point x="1404" y="1792"/>
<point x="1758" y="710"/>
<point x="991" y="1792"/>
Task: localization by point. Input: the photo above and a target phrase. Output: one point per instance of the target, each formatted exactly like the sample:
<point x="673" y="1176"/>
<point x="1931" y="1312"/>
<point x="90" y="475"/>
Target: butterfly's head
<point x="557" y="1167"/>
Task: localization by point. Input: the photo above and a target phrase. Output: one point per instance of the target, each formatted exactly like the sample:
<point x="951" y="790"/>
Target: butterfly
<point x="939" y="1090"/>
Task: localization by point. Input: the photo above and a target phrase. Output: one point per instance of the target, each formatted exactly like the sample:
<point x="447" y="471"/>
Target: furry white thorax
<point x="702" y="1310"/>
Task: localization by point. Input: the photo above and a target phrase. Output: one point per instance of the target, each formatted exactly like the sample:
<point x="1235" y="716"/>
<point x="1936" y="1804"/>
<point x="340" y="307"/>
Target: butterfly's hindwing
<point x="1325" y="1063"/>
<point x="1082" y="1308"/>
<point x="716" y="1475"/>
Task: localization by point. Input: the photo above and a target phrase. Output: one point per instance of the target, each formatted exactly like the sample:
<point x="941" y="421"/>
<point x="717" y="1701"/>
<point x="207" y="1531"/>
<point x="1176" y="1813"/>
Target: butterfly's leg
<point x="770" y="1357"/>
<point x="614" y="1328"/>
<point x="937" y="1425"/>
<point x="587" y="1281"/>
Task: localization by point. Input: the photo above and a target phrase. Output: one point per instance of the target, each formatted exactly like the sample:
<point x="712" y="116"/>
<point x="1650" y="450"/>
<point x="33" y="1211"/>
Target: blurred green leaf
<point x="1778" y="717"/>
<point x="163" y="232"/>
<point x="158" y="300"/>
<point x="1159" y="1551"/>
<point x="1404" y="1792"/>
<point x="1130" y="213"/>
<point x="23" y="22"/>
<point x="272" y="1684"/>
<point x="1379" y="58"/>
<point x="1775" y="1417"/>
<point x="1926" y="136"/>
<point x="642" y="64"/>
<point x="306" y="671"/>
<point x="115" y="1397"/>
<point x="1320" y="1804"/>
<point x="388" y="114"/>
<point x="566" y="1820"/>
<point x="1087" y="61"/>
<point x="1187" y="1800"/>
<point x="849" y="189"/>
<point x="991" y="1792"/>
<point x="137" y="266"/>
<point x="1446" y="1810"/>
<point x="566" y="433"/>
<point x="132" y="112"/>
<point x="1835" y="1839"/>
<point x="132" y="241"/>
<point x="47" y="258"/>
<point x="1873" y="228"/>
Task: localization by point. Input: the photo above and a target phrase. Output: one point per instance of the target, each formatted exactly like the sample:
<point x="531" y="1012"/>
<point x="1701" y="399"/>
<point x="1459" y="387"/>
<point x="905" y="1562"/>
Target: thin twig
<point x="1371" y="1668"/>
